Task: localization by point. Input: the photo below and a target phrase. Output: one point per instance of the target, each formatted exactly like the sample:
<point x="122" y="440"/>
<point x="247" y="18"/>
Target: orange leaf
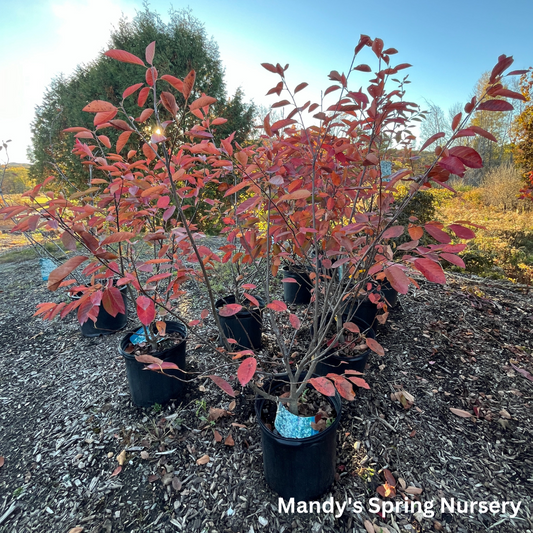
<point x="201" y="102"/>
<point x="217" y="435"/>
<point x="229" y="440"/>
<point x="203" y="460"/>
<point x="99" y="106"/>
<point x="296" y="195"/>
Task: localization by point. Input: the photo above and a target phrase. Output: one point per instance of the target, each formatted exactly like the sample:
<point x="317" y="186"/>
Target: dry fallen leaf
<point x="413" y="490"/>
<point x="505" y="414"/>
<point x="460" y="412"/>
<point x="2" y="460"/>
<point x="152" y="478"/>
<point x="215" y="413"/>
<point x="232" y="405"/>
<point x="237" y="425"/>
<point x="380" y="529"/>
<point x="145" y="455"/>
<point x="76" y="530"/>
<point x="217" y="435"/>
<point x="402" y="483"/>
<point x="203" y="460"/>
<point x="229" y="440"/>
<point x="117" y="471"/>
<point x="176" y="484"/>
<point x="368" y="526"/>
<point x="121" y="457"/>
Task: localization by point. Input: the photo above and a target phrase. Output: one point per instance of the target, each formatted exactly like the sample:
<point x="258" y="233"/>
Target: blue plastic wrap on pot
<point x="47" y="265"/>
<point x="293" y="426"/>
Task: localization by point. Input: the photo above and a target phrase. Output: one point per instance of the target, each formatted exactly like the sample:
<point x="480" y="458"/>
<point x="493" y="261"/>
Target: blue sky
<point x="450" y="44"/>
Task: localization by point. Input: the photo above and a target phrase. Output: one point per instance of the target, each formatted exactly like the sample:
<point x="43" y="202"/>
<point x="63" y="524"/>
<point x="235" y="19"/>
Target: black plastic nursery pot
<point x="338" y="364"/>
<point x="298" y="293"/>
<point x="390" y="294"/>
<point x="106" y="324"/>
<point x="246" y="327"/>
<point x="364" y="309"/>
<point x="148" y="387"/>
<point x="361" y="309"/>
<point x="302" y="469"/>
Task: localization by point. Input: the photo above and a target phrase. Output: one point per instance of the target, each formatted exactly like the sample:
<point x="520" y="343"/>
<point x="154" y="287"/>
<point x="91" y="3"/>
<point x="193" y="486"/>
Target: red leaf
<point x="323" y="385"/>
<point x="360" y="383"/>
<point x="432" y="139"/>
<point x="350" y="326"/>
<point x="296" y="195"/>
<point x="397" y="278"/>
<point x="150" y="51"/>
<point x="363" y="68"/>
<point x="165" y="365"/>
<point x="454" y="259"/>
<point x="456" y="120"/>
<point x="229" y="310"/>
<point x="393" y="232"/>
<point x="168" y="100"/>
<point x="431" y="270"/>
<point x="145" y="310"/>
<point x="462" y="232"/>
<point x="453" y="164"/>
<point x="99" y="106"/>
<point x="143" y="95"/>
<point x="69" y="242"/>
<point x="300" y="87"/>
<point x="295" y="321"/>
<point x="130" y="90"/>
<point x="375" y="346"/>
<point x="269" y="67"/>
<point x="438" y="234"/>
<point x="117" y="471"/>
<point x="495" y="105"/>
<point x="124" y="57"/>
<point x="175" y="82"/>
<point x="289" y="280"/>
<point x="246" y="370"/>
<point x="251" y="298"/>
<point x="118" y="237"/>
<point x="277" y="305"/>
<point x="345" y="388"/>
<point x="278" y="125"/>
<point x="483" y="133"/>
<point x="113" y="302"/>
<point x="202" y="102"/>
<point x="163" y="202"/>
<point x="61" y="272"/>
<point x="509" y="94"/>
<point x="467" y="155"/>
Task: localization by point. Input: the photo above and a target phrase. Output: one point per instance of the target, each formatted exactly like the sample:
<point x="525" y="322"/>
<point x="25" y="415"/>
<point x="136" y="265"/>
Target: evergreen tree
<point x="182" y="44"/>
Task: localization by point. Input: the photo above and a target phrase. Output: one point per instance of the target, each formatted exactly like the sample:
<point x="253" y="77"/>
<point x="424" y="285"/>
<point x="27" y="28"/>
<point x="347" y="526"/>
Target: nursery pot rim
<point x="126" y="338"/>
<point x="245" y="312"/>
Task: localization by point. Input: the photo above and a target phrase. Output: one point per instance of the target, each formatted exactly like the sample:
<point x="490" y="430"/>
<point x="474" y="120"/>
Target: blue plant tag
<point x="138" y="337"/>
<point x="47" y="265"/>
<point x="293" y="426"/>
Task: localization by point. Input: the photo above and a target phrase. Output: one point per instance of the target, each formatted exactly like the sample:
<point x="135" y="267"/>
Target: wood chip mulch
<point x="67" y="424"/>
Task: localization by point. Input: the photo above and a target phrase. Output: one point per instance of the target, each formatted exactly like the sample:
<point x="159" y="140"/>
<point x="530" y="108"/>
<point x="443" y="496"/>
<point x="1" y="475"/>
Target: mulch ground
<point x="66" y="421"/>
